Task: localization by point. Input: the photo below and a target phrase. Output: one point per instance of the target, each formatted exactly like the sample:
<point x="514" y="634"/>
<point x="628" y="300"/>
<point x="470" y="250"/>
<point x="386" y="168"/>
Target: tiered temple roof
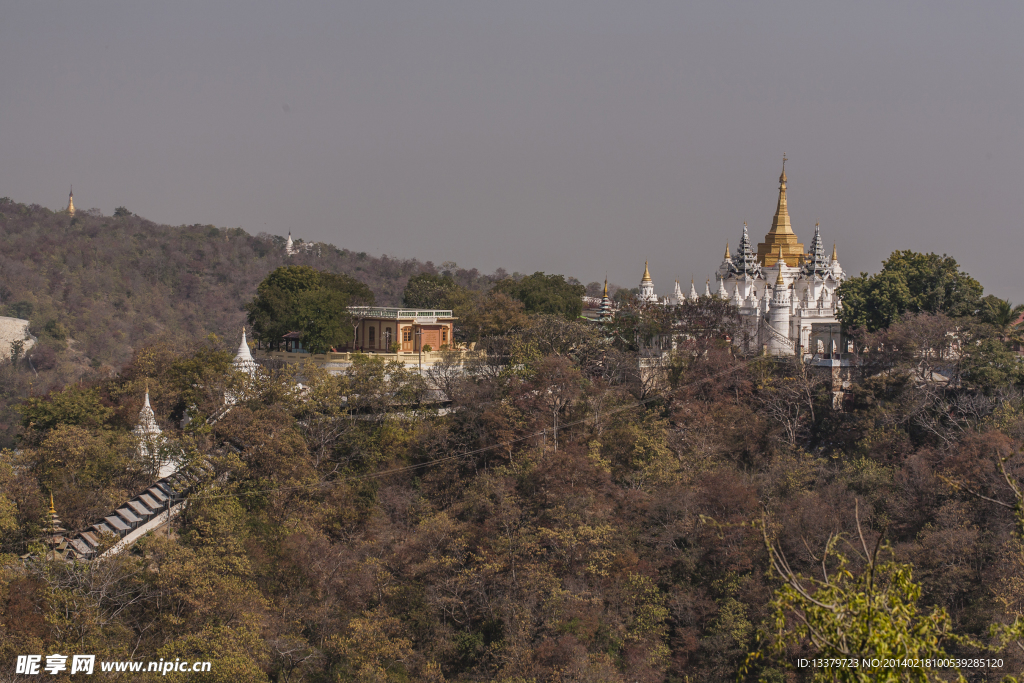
<point x="745" y="262"/>
<point x="606" y="304"/>
<point x="817" y="263"/>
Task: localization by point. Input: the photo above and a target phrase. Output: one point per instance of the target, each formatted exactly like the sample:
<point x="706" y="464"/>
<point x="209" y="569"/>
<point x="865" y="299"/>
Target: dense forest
<point x="97" y="288"/>
<point x="562" y="515"/>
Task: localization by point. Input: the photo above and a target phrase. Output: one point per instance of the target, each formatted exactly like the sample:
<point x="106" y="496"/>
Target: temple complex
<point x="786" y="296"/>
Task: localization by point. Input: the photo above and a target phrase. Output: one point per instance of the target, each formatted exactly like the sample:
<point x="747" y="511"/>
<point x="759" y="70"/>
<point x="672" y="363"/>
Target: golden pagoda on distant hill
<point x="71" y="202"/>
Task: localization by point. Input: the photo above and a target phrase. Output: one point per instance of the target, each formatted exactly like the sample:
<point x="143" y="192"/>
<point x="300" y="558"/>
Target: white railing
<point x="394" y="313"/>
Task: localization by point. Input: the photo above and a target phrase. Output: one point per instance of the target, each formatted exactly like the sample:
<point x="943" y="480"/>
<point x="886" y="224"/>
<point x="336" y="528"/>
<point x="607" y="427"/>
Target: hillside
<point x="97" y="288"/>
<point x="562" y="521"/>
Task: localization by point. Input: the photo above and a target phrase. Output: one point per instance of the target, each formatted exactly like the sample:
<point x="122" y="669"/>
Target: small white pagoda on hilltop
<point x="786" y="296"/>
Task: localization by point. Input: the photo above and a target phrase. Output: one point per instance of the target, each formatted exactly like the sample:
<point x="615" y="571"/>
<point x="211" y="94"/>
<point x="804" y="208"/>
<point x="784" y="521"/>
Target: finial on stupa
<point x="779" y="280"/>
<point x="71" y="201"/>
<point x="782" y="178"/>
<point x="53" y="510"/>
<point x="727" y="254"/>
<point x="605" y="287"/>
<point x="647" y="274"/>
<point x="834" y="257"/>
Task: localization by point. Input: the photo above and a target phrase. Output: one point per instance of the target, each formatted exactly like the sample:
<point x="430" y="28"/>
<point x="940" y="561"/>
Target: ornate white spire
<point x="244" y="361"/>
<point x="647" y="294"/>
<point x="707" y="287"/>
<point x="693" y="291"/>
<point x="289" y="247"/>
<point x="817" y="264"/>
<point x="677" y="294"/>
<point x="147" y="432"/>
<point x="721" y="293"/>
<point x="744" y="261"/>
<point x="147" y="427"/>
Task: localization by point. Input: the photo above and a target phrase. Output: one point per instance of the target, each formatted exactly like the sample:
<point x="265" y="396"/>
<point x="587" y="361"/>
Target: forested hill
<point x="97" y="288"/>
<point x="114" y="283"/>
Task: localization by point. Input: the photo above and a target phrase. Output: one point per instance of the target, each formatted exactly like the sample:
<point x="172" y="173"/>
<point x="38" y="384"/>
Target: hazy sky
<point x="570" y="137"/>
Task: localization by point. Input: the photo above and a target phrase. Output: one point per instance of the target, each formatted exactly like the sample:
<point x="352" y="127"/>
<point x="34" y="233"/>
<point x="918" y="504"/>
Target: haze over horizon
<point x="580" y="138"/>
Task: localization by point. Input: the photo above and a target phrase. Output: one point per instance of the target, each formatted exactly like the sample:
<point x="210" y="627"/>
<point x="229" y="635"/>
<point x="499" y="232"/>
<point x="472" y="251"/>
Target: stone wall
<point x="12" y="330"/>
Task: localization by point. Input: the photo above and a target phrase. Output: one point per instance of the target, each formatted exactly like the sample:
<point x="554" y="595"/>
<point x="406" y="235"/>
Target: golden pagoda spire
<point x="53" y="510"/>
<point x="647" y="274"/>
<point x="834" y="257"/>
<point x="781" y="233"/>
<point x="781" y="222"/>
<point x="727" y="254"/>
<point x="605" y="287"/>
<point x="71" y="201"/>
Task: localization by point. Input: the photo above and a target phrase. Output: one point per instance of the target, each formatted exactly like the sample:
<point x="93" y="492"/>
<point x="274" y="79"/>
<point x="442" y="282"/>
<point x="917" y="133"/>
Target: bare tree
<point x="447" y="373"/>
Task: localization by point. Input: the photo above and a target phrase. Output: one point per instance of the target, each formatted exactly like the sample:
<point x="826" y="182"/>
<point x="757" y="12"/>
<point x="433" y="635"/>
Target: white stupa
<point x="244" y="361"/>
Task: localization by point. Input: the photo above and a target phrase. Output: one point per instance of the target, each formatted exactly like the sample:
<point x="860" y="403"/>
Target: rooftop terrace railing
<point x="394" y="313"/>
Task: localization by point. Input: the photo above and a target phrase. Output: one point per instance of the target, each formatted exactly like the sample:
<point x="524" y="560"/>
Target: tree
<point x="873" y="616"/>
<point x="1001" y="314"/>
<point x="542" y="293"/>
<point x="494" y="314"/>
<point x="986" y="361"/>
<point x="71" y="406"/>
<point x="303" y="299"/>
<point x="790" y="396"/>
<point x="908" y="282"/>
<point x="121" y="212"/>
<point x="428" y="290"/>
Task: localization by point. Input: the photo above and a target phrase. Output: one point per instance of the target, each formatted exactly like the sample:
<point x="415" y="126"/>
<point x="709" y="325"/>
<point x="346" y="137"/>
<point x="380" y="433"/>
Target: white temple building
<point x="786" y="296"/>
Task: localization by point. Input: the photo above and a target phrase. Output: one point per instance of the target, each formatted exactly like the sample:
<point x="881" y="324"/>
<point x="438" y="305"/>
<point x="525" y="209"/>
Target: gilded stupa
<point x="71" y="202"/>
<point x="781" y="236"/>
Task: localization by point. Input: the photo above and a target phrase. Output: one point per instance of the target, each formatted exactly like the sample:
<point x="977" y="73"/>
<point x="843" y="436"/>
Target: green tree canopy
<point x="304" y="299"/>
<point x="71" y="406"/>
<point x="542" y="293"/>
<point x="908" y="282"/>
<point x="429" y="290"/>
<point x="1000" y="313"/>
